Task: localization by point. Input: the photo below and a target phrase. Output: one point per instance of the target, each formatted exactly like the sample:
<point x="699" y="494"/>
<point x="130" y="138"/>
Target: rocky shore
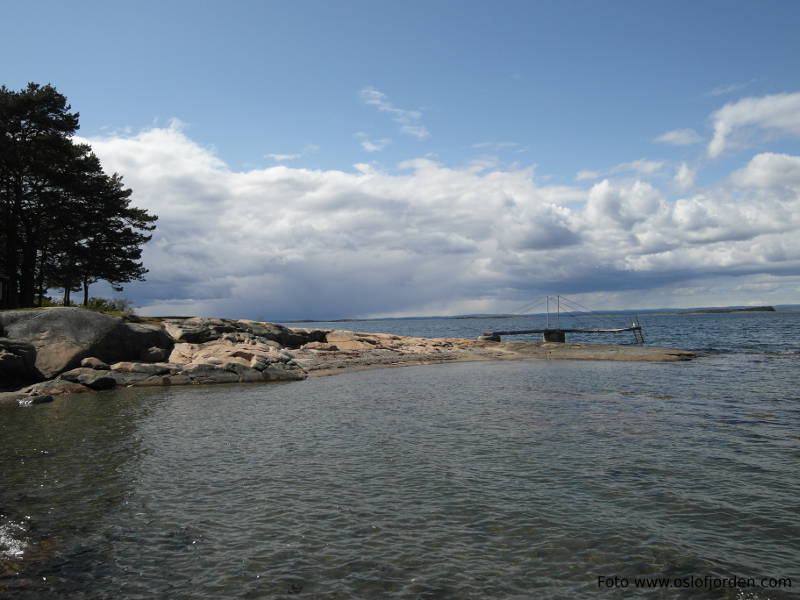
<point x="44" y="353"/>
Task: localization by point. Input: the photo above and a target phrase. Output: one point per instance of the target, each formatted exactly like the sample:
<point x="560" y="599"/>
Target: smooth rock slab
<point x="64" y="336"/>
<point x="97" y="380"/>
<point x="55" y="387"/>
<point x="148" y="368"/>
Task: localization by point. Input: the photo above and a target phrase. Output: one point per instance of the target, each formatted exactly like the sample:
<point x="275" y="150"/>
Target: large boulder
<point x="235" y="357"/>
<point x="17" y="363"/>
<point x="64" y="336"/>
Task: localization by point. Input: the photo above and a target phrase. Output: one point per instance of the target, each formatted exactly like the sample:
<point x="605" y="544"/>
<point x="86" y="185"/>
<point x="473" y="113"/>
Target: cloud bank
<point x="281" y="243"/>
<point x="775" y="115"/>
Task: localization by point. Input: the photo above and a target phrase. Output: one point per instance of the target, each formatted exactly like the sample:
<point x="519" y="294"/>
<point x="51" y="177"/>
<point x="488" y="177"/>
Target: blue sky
<point x="343" y="117"/>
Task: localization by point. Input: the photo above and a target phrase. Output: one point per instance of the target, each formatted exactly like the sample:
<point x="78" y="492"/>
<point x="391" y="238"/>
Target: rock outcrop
<point x="80" y="352"/>
<point x="63" y="337"/>
<point x="197" y="330"/>
<point x="354" y="350"/>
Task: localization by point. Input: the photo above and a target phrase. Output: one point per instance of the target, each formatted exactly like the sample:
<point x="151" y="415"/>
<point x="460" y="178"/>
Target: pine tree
<point x="65" y="222"/>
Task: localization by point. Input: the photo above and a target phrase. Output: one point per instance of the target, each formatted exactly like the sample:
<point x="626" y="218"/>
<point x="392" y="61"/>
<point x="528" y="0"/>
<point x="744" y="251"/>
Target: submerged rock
<point x="16" y="399"/>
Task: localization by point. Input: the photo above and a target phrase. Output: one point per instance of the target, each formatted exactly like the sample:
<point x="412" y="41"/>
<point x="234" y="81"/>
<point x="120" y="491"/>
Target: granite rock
<point x="17" y="362"/>
<point x="64" y="336"/>
<point x="94" y="363"/>
<point x="93" y="378"/>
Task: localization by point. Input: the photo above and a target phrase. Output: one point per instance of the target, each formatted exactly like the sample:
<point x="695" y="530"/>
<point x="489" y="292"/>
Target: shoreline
<point x="58" y="351"/>
<point x="466" y="350"/>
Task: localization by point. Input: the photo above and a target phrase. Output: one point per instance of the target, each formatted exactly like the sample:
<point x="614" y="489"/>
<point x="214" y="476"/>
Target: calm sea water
<point x="526" y="479"/>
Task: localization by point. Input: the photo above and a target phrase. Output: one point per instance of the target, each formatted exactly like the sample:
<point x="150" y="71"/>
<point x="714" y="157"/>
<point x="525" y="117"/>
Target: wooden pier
<point x="558" y="334"/>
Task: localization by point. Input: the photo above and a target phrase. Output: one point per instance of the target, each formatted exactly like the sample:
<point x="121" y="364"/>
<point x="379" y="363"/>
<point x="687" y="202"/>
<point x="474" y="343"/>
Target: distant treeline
<point x="65" y="223"/>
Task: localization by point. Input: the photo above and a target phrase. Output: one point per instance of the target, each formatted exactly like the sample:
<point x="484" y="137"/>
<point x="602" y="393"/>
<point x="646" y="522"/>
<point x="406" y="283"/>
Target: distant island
<point x="702" y="311"/>
<point x="659" y="311"/>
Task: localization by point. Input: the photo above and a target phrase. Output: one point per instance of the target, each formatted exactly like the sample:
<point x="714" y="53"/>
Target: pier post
<point x="489" y="337"/>
<point x="554" y="335"/>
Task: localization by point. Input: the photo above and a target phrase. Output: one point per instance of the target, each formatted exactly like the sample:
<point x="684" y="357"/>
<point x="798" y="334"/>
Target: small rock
<point x="155" y="354"/>
<point x="94" y="363"/>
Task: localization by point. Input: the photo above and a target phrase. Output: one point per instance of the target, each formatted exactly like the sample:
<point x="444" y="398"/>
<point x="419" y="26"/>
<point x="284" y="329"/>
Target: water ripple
<point x="423" y="482"/>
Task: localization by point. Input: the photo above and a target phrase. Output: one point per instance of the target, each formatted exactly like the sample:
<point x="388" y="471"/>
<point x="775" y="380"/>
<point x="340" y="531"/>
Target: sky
<point x="317" y="159"/>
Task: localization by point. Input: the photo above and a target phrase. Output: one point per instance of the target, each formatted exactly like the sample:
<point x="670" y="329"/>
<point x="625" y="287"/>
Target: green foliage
<point x="47" y="302"/>
<point x="114" y="306"/>
<point x="118" y="307"/>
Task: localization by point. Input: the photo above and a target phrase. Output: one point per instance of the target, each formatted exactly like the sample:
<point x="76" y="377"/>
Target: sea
<point x="475" y="480"/>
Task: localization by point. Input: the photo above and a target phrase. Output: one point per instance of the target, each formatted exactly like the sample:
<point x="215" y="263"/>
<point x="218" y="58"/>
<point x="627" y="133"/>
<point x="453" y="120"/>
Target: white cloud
<point x="680" y="137"/>
<point x="409" y="120"/>
<point x="722" y="90"/>
<point x="769" y="170"/>
<point x="585" y="174"/>
<point x="623" y="205"/>
<point x="281" y="158"/>
<point x="370" y="145"/>
<point x="283" y="242"/>
<point x="684" y="177"/>
<point x="778" y="115"/>
<point x="640" y="167"/>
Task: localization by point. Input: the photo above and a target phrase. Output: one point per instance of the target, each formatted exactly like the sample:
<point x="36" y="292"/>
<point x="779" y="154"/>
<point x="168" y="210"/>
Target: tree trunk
<point x="85" y="292"/>
<point x="40" y="278"/>
<point x="14" y="207"/>
<point x="28" y="275"/>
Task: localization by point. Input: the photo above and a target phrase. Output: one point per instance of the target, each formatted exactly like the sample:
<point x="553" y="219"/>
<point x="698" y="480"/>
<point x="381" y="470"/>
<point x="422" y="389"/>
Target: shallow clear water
<point x="525" y="479"/>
